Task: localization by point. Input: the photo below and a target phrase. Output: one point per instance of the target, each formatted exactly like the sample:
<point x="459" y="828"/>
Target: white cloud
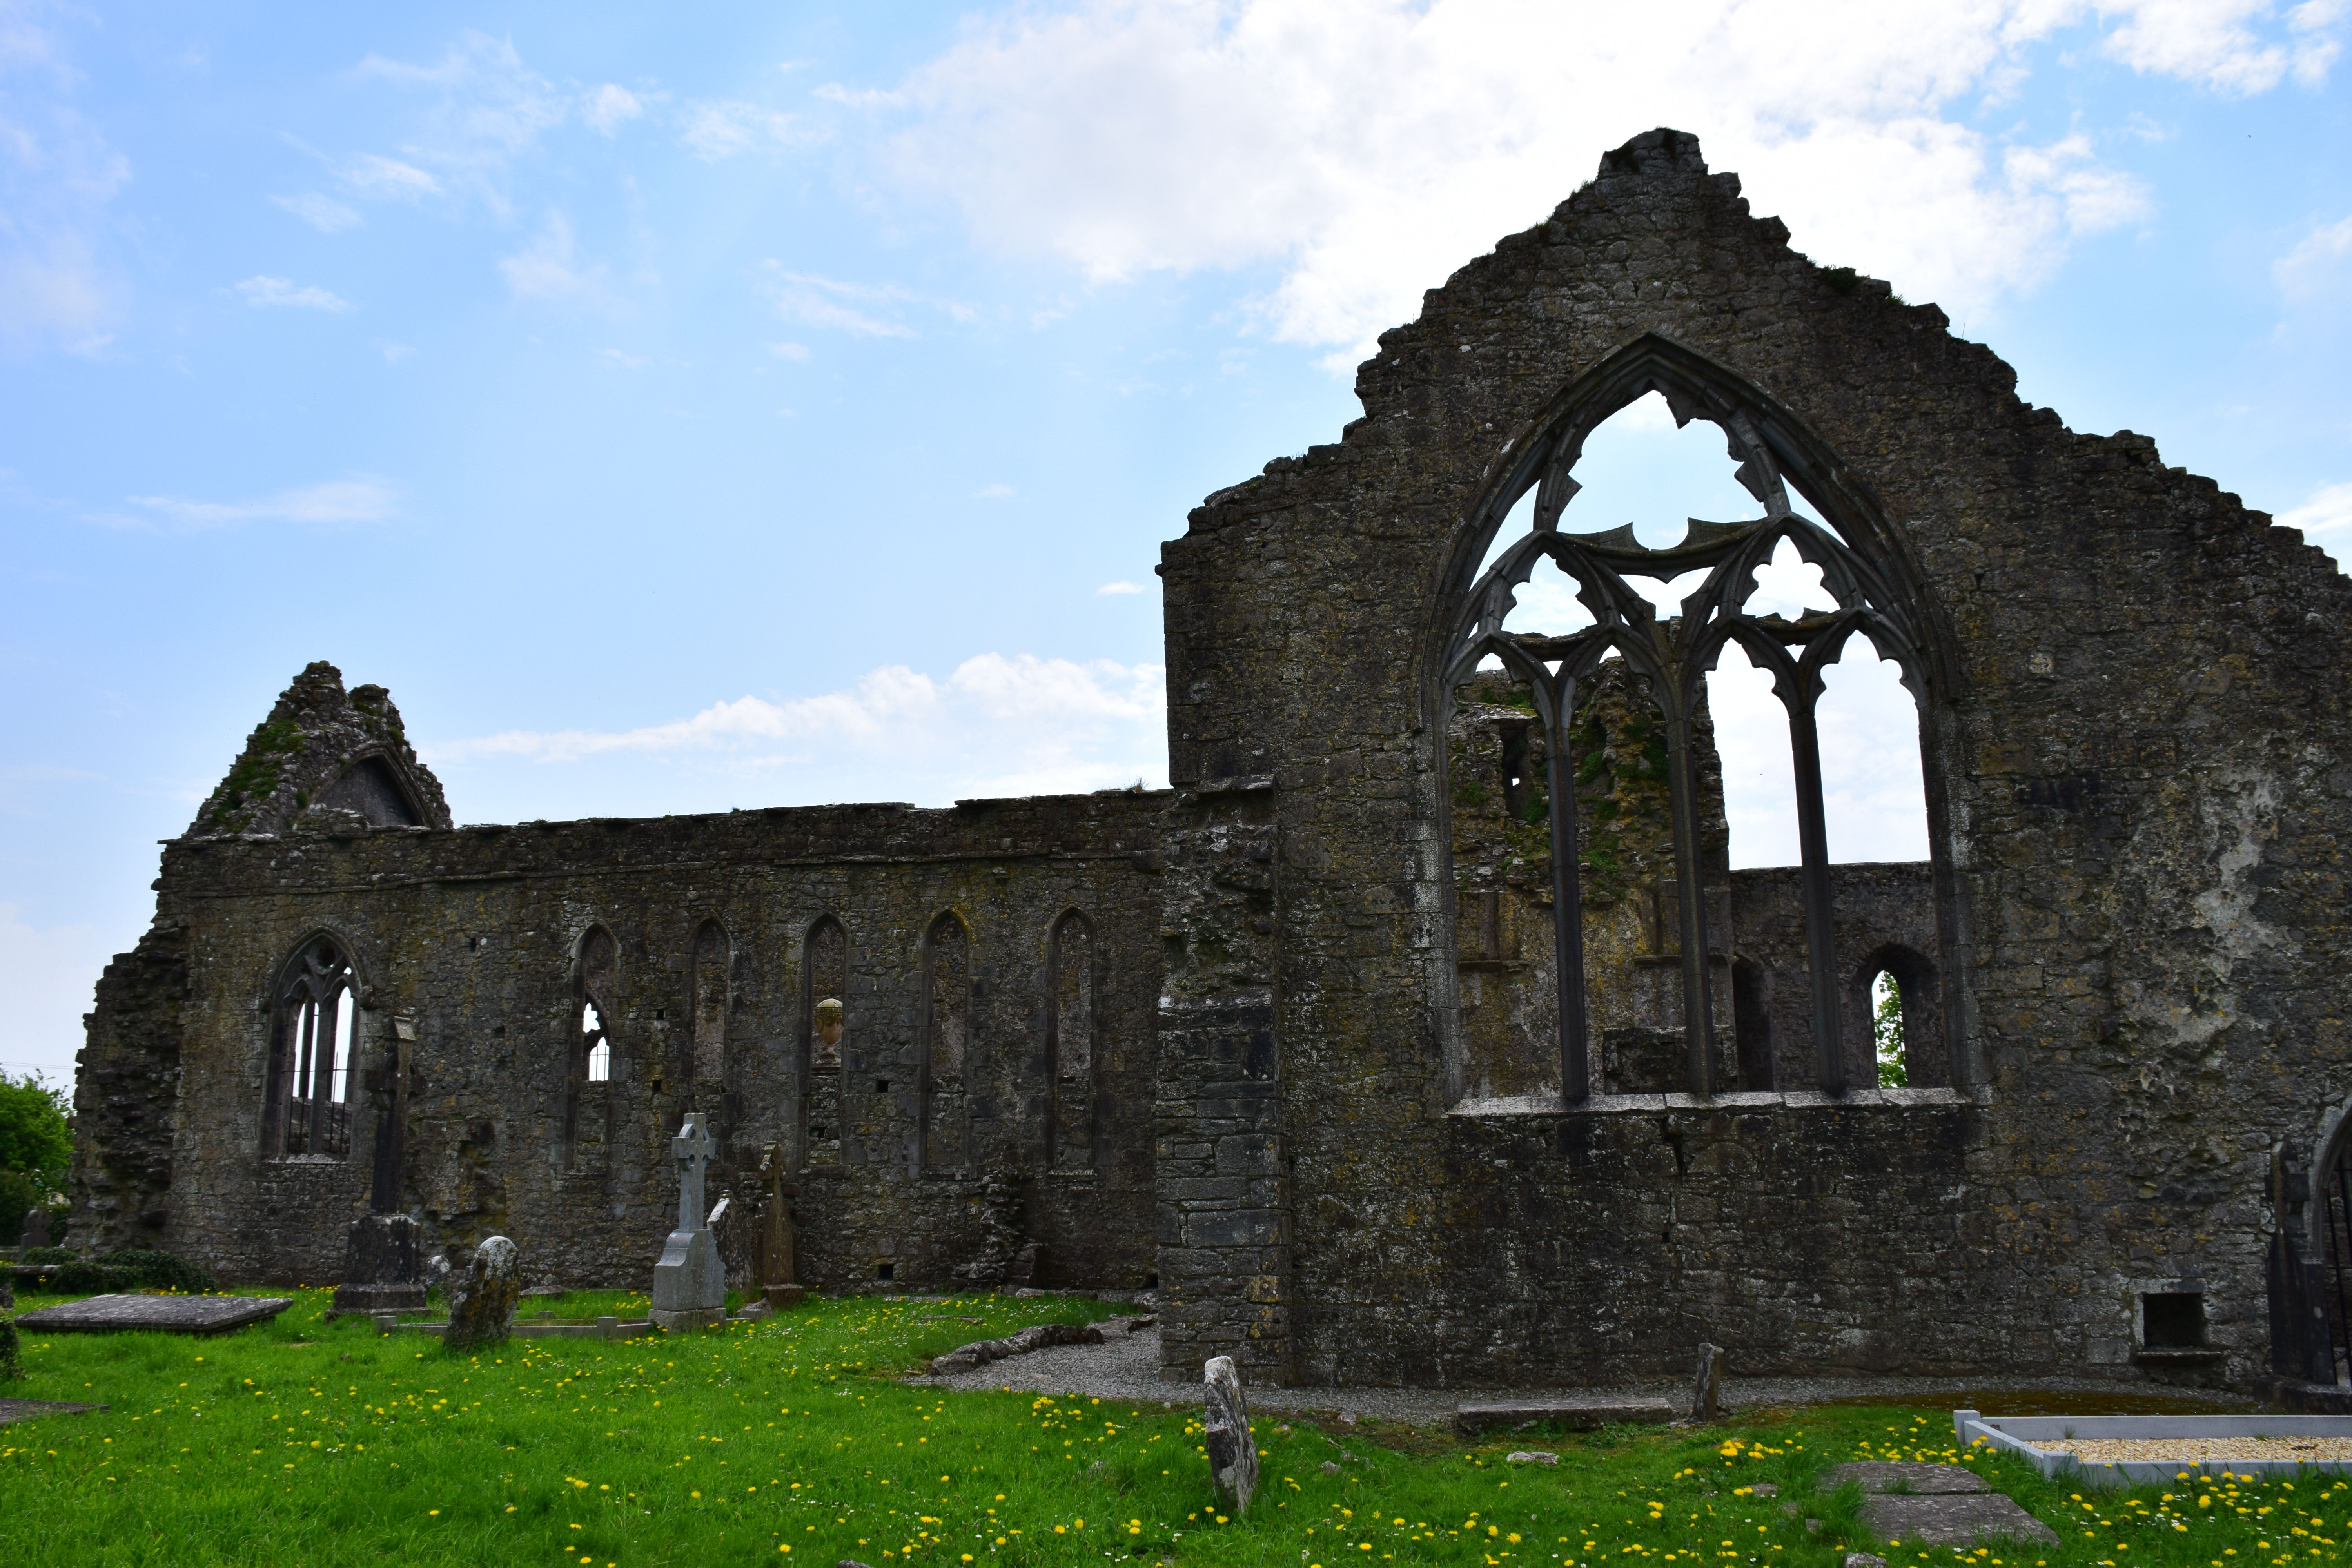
<point x="380" y="178"/>
<point x="813" y="302"/>
<point x="58" y="174"/>
<point x="997" y="725"/>
<point x="993" y="493"/>
<point x="49" y="976"/>
<point x="324" y="213"/>
<point x="789" y="351"/>
<point x="393" y="353"/>
<point x="2214" y="42"/>
<point x="1121" y="587"/>
<point x="547" y="269"/>
<point x="1355" y="144"/>
<point x="714" y="129"/>
<point x="2325" y="520"/>
<point x="359" y="498"/>
<point x="609" y="107"/>
<point x="2313" y="267"/>
<point x="484" y="109"/>
<point x="263" y="289"/>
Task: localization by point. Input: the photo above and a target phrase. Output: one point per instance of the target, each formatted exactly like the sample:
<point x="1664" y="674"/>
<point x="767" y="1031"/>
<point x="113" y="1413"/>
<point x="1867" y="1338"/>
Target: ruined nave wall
<point x="466" y="940"/>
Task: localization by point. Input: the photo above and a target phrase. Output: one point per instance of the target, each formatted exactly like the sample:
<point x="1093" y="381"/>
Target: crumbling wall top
<point x="325" y="758"/>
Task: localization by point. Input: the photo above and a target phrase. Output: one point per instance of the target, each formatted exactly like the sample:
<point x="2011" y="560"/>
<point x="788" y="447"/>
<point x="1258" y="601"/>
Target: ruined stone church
<point x="1420" y="1032"/>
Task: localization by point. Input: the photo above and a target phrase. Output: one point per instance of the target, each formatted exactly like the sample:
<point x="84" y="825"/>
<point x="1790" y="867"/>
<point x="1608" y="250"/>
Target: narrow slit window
<point x="710" y="998"/>
<point x="1071" y="1048"/>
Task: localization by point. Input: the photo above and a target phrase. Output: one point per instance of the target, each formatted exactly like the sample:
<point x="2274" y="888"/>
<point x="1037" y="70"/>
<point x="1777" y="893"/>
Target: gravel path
<point x="1126" y="1365"/>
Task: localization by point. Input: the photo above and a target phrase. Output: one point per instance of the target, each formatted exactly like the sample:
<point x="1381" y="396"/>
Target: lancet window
<point x="1667" y="659"/>
<point x="1070" y="1041"/>
<point x="947" y="964"/>
<point x="311" y="1057"/>
<point x="710" y="992"/>
<point x="589" y="1063"/>
<point x="825" y="993"/>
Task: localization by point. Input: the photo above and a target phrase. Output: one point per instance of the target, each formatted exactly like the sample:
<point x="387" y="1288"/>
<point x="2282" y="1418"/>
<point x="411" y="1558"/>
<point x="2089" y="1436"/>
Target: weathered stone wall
<point x="467" y="940"/>
<point x="2137" y="768"/>
<point x="124" y="1091"/>
<point x="1884" y="914"/>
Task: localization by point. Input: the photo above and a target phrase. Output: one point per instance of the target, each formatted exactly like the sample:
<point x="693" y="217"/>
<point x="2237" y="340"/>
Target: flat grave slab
<point x="1952" y="1519"/>
<point x="26" y="1409"/>
<point x="1577" y="1415"/>
<point x="153" y="1314"/>
<point x="1891" y="1475"/>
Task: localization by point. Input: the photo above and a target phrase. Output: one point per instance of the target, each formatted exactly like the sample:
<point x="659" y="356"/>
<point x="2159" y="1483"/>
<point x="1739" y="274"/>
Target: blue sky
<point x="724" y="404"/>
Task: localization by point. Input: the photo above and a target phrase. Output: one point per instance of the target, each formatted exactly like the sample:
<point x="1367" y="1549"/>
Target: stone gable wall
<point x="2139" y="764"/>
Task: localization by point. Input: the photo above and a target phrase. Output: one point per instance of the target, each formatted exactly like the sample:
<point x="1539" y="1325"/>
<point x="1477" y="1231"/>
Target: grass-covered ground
<point x="793" y="1442"/>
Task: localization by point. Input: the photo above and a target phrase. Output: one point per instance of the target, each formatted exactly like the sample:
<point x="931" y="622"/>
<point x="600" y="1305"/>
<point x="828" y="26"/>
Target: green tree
<point x="1886" y="1029"/>
<point x="35" y="1147"/>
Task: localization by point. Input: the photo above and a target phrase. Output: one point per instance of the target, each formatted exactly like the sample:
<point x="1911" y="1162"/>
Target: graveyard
<point x="795" y="1438"/>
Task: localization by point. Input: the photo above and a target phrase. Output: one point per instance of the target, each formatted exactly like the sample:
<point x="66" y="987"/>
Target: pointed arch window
<point x="590" y="1064"/>
<point x="1876" y="597"/>
<point x="1070" y="1052"/>
<point x="947" y="1043"/>
<point x="311" y="1057"/>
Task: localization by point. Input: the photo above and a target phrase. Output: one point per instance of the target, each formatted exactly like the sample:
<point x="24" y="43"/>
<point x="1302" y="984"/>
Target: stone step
<point x="1577" y="1415"/>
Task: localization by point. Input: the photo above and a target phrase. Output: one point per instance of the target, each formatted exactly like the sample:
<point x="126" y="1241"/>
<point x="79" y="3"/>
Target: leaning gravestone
<point x="37" y="1227"/>
<point x="1232" y="1452"/>
<point x="482" y="1300"/>
<point x="1707" y="1387"/>
<point x="689" y="1283"/>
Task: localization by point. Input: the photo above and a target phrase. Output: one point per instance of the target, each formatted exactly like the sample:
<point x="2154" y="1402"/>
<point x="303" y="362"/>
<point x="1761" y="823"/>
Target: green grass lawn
<point x="790" y="1442"/>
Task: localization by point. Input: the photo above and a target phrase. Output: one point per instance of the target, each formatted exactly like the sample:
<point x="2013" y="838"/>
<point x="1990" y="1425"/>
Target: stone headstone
<point x="482" y="1299"/>
<point x="689" y="1282"/>
<point x="1232" y="1452"/>
<point x="1707" y="1387"/>
<point x="383" y="1266"/>
<point x="12" y="1365"/>
<point x="735" y="1234"/>
<point x="776" y="1243"/>
<point x="37" y="1227"/>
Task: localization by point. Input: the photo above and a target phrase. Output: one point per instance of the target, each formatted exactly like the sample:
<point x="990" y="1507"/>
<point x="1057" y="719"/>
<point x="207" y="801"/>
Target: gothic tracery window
<point x="1620" y="641"/>
<point x="311" y="1077"/>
